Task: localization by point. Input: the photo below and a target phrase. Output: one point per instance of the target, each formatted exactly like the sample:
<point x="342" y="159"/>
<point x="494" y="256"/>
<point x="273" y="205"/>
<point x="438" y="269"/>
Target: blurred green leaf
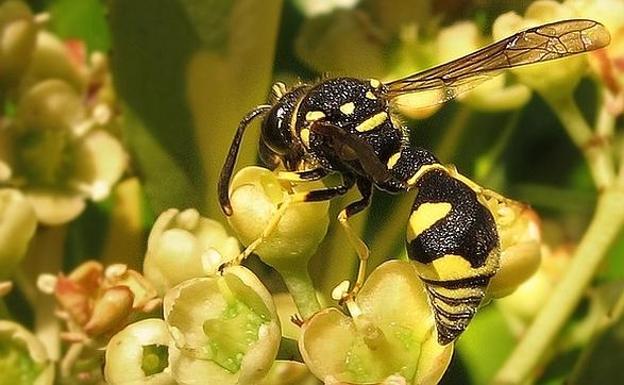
<point x="84" y="19"/>
<point x="342" y="43"/>
<point x="485" y="345"/>
<point x="188" y="71"/>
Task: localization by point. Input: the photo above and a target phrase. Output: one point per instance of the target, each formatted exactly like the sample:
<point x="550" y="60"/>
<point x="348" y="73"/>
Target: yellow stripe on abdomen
<point x="425" y="216"/>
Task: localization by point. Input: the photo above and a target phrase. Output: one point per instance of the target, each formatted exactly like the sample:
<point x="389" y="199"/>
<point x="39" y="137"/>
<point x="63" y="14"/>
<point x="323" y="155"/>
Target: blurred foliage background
<point x="186" y="71"/>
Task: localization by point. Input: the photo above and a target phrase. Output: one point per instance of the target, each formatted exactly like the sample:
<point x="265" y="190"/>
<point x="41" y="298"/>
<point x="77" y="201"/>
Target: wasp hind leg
<point x="366" y="189"/>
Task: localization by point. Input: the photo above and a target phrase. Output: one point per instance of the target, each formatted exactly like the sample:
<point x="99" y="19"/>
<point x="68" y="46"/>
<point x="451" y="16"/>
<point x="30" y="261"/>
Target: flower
<point x="257" y="196"/>
<point x="23" y="358"/>
<point x="389" y="336"/>
<point x="184" y="245"/>
<point x="58" y="153"/>
<point x="139" y="354"/>
<point x="225" y="329"/>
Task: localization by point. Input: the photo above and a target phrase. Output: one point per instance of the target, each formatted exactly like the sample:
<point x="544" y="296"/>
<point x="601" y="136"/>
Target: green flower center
<point x="16" y="365"/>
<point x="45" y="157"/>
<point x="155" y="359"/>
<point x="232" y="334"/>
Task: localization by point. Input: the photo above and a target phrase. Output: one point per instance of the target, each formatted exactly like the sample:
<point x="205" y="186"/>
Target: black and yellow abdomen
<point x="453" y="241"/>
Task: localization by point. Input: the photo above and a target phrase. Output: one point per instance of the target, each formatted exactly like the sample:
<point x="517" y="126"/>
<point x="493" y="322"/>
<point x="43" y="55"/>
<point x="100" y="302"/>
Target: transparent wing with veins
<point x="535" y="45"/>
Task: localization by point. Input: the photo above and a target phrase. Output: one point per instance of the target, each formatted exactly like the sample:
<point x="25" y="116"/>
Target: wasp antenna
<point x="228" y="166"/>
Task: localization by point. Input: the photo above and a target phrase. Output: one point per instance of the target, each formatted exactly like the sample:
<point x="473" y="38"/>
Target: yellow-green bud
<point x="23" y="358"/>
<point x="389" y="336"/>
<point x="17" y="227"/>
<point x="526" y="301"/>
<point x="17" y="40"/>
<point x="520" y="245"/>
<point x="51" y="105"/>
<point x="184" y="245"/>
<point x="51" y="60"/>
<point x="139" y="355"/>
<point x="225" y="329"/>
<point x="256" y="196"/>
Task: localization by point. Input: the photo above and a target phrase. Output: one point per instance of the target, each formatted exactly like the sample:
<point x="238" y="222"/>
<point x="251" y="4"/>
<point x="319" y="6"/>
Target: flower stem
<point x="300" y="286"/>
<point x="594" y="148"/>
<point x="603" y="230"/>
<point x="46" y="256"/>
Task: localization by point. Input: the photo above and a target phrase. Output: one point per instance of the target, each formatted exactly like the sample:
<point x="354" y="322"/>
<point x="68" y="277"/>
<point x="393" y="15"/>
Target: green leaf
<point x="485" y="345"/>
<point x="188" y="71"/>
<point x="84" y="19"/>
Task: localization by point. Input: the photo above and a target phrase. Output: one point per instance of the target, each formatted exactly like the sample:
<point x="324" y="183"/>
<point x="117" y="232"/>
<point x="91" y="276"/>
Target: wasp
<point x="349" y="126"/>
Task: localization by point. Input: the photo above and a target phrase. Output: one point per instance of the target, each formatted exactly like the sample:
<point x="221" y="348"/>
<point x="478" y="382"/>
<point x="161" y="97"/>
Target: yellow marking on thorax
<point x="392" y="161"/>
<point x="372" y="122"/>
<point x="425" y="216"/>
<point x="314" y="115"/>
<point x="422" y="171"/>
<point x="375" y="83"/>
<point x="305" y="137"/>
<point x="347" y="108"/>
<point x="370" y="95"/>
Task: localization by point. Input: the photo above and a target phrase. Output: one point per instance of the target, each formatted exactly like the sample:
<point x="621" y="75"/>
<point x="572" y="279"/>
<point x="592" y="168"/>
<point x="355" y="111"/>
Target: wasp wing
<point x="535" y="45"/>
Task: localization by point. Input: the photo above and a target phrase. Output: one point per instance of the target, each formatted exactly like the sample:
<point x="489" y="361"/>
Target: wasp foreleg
<point x="303" y="175"/>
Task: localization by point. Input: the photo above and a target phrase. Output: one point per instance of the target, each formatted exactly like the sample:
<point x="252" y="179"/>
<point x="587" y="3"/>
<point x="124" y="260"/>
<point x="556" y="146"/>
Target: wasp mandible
<point x="348" y="126"/>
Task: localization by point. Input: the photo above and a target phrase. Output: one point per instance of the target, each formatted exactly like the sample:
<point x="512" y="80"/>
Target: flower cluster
<point x="58" y="142"/>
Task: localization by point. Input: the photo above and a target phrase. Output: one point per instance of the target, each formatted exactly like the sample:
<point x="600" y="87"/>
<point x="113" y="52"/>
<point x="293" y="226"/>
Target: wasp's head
<point x="277" y="145"/>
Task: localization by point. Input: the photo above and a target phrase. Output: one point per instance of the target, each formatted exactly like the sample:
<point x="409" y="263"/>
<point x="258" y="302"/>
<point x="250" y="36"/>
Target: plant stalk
<point x="299" y="285"/>
<point x="594" y="148"/>
<point x="603" y="230"/>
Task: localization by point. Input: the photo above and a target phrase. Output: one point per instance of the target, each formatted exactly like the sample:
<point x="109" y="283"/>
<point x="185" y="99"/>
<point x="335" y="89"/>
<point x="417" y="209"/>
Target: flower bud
<point x="520" y="245"/>
<point x="51" y="59"/>
<point x="225" y="329"/>
<point x="555" y="78"/>
<point x="139" y="354"/>
<point x="184" y="245"/>
<point x="526" y="301"/>
<point x="256" y="197"/>
<point x="17" y="227"/>
<point x="17" y="40"/>
<point x="390" y="334"/>
<point x="23" y="358"/>
<point x="51" y="105"/>
<point x="110" y="310"/>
